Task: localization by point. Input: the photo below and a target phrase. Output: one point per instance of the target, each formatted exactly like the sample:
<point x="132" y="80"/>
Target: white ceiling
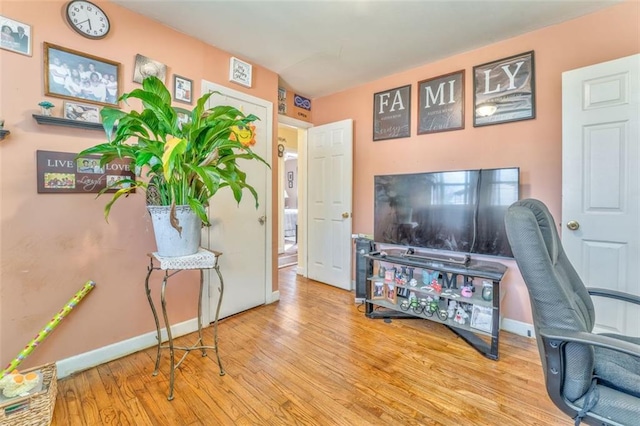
<point x="319" y="47"/>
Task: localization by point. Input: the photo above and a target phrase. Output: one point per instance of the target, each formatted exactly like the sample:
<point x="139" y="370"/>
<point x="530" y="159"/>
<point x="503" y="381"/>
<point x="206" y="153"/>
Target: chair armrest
<point x="613" y="294"/>
<point x="566" y="336"/>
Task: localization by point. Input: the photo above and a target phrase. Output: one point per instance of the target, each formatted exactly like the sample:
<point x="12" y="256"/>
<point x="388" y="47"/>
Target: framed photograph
<point x="81" y="112"/>
<point x="183" y="118"/>
<point x="15" y="36"/>
<point x="377" y="290"/>
<point x="441" y="103"/>
<point x="182" y="89"/>
<point x="240" y="72"/>
<point x="392" y="113"/>
<point x="481" y="318"/>
<point x="73" y="75"/>
<point x="504" y="90"/>
<point x="282" y="100"/>
<point x="390" y="293"/>
<point x="144" y="67"/>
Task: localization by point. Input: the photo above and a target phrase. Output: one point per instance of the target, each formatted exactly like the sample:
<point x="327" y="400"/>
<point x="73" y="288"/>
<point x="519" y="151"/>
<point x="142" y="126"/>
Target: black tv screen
<point x="461" y="211"/>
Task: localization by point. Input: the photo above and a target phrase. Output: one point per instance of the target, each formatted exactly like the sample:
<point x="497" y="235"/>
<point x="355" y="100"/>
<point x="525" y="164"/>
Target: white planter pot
<point x="169" y="241"/>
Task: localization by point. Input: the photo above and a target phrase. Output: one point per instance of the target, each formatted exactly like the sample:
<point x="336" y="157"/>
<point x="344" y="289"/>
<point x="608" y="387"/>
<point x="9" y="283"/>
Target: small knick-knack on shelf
<point x="46" y="107"/>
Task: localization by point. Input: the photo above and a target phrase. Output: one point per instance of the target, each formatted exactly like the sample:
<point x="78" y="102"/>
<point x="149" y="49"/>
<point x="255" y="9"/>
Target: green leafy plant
<point x="184" y="163"/>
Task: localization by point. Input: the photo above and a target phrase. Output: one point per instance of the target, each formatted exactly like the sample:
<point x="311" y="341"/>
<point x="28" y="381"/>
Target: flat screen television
<point x="459" y="211"/>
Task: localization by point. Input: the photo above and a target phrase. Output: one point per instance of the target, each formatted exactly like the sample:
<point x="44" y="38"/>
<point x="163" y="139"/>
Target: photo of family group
<point x="15" y="36"/>
<point x="74" y="75"/>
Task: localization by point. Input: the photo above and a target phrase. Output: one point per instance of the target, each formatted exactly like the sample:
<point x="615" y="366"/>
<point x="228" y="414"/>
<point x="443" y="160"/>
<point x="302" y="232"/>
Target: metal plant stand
<point x="203" y="259"/>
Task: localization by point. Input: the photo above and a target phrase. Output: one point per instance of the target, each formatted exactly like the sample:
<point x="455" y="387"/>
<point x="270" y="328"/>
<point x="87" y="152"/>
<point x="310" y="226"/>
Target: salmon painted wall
<point x="533" y="145"/>
<point x="51" y="244"/>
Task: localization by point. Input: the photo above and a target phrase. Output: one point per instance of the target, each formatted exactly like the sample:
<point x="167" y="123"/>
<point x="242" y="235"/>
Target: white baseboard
<point x="301" y="271"/>
<point x="117" y="350"/>
<point x="517" y="327"/>
<point x="275" y="296"/>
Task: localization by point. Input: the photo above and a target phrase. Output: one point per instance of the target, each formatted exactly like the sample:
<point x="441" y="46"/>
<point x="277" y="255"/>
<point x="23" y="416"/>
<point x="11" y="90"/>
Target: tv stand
<point x="439" y="280"/>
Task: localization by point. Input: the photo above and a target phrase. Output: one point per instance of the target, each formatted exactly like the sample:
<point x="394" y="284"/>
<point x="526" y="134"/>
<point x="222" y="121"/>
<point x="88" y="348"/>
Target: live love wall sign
<point x="61" y="172"/>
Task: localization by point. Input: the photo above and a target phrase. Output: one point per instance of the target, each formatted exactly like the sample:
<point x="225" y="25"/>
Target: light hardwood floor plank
<point x="314" y="358"/>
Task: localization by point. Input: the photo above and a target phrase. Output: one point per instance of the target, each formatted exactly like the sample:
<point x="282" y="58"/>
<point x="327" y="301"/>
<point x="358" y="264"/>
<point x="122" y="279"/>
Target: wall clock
<point x="87" y="19"/>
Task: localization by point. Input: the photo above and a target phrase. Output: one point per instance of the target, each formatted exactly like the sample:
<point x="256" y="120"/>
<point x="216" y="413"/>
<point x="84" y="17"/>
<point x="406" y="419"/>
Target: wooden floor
<point x="313" y="358"/>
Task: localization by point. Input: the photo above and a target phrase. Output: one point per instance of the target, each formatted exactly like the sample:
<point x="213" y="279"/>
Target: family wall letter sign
<point x="441" y="103"/>
<point x="504" y="90"/>
<point x="392" y="113"/>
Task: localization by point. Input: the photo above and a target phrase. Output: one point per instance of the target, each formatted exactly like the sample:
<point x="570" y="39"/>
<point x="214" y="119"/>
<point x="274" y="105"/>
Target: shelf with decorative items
<point x="461" y="293"/>
<point x="59" y="121"/>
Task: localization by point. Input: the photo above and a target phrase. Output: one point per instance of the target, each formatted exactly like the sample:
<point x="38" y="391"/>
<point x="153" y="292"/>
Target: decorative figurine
<point x="487" y="290"/>
<point x="461" y="315"/>
<point x="413" y="282"/>
<point x="381" y="271"/>
<point x="45" y="107"/>
<point x="451" y="310"/>
<point x="467" y="291"/>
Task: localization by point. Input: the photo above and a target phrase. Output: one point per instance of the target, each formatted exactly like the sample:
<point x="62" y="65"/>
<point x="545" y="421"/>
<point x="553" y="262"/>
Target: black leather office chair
<point x="594" y="378"/>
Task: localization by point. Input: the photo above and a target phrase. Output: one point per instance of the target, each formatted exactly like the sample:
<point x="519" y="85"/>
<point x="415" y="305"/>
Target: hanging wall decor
<point x="504" y="90"/>
<point x="441" y="103"/>
<point x="392" y="113"/>
<point x="240" y="72"/>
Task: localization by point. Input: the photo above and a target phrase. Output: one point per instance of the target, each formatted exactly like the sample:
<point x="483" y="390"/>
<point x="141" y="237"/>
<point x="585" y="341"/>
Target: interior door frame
<point x="302" y="191"/>
<point x="210" y="275"/>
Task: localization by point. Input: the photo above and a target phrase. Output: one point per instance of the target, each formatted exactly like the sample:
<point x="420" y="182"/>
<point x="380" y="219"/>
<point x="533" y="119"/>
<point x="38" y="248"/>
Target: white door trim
<point x="207" y="86"/>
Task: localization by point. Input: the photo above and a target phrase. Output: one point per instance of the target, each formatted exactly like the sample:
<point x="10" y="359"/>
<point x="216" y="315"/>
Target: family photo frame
<point x="392" y="113"/>
<point x="15" y="36"/>
<point x="77" y="76"/>
<point x="441" y="103"/>
<point x="504" y="90"/>
<point x="182" y="89"/>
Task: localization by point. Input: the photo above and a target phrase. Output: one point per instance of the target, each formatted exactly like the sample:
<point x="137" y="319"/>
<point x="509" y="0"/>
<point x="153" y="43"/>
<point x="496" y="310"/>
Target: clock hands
<point x="87" y="20"/>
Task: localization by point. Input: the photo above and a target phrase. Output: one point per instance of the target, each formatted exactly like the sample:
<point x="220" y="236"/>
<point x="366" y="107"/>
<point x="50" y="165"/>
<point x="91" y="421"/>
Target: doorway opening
<point x="292" y="136"/>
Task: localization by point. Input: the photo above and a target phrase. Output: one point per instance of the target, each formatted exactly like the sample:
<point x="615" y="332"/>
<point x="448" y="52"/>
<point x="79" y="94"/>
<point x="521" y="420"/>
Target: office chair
<point x="594" y="378"/>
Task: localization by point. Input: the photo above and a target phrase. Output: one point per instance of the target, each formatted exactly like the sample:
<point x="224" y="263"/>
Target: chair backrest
<point x="558" y="296"/>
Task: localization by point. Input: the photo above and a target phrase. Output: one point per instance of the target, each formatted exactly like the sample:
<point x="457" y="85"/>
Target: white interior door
<point x="601" y="184"/>
<point x="329" y="197"/>
<point x="242" y="232"/>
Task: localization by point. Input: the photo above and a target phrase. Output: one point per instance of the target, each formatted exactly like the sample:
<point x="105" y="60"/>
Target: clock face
<point x="87" y="19"/>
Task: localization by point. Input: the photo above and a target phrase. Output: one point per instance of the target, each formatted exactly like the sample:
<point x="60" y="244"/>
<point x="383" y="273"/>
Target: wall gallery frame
<point x="392" y="113"/>
<point x="74" y="75"/>
<point x="81" y="112"/>
<point x="504" y="90"/>
<point x="182" y="89"/>
<point x="15" y="36"/>
<point x="145" y="67"/>
<point x="441" y="103"/>
<point x="240" y="72"/>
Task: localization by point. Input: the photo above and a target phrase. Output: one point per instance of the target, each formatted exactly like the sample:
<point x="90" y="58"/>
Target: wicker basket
<point x="35" y="409"/>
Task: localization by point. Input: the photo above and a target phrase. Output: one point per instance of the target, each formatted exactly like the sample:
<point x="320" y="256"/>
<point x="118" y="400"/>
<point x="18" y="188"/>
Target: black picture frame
<point x="56" y="73"/>
<point x="441" y="103"/>
<point x="392" y="113"/>
<point x="16" y="36"/>
<point x="504" y="90"/>
<point x="182" y="89"/>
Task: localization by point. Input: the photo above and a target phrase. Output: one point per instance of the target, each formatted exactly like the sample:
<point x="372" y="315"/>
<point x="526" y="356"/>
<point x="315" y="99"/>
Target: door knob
<point x="573" y="225"/>
<point x="345" y="215"/>
<point x="262" y="220"/>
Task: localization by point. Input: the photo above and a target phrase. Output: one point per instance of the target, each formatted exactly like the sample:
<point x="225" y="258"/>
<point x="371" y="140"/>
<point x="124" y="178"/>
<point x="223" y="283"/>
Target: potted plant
<point x="182" y="164"/>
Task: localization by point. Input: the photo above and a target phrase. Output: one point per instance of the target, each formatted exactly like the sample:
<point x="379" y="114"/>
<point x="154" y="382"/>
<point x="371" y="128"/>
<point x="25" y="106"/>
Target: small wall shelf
<point x="59" y="121"/>
<point x="4" y="133"/>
